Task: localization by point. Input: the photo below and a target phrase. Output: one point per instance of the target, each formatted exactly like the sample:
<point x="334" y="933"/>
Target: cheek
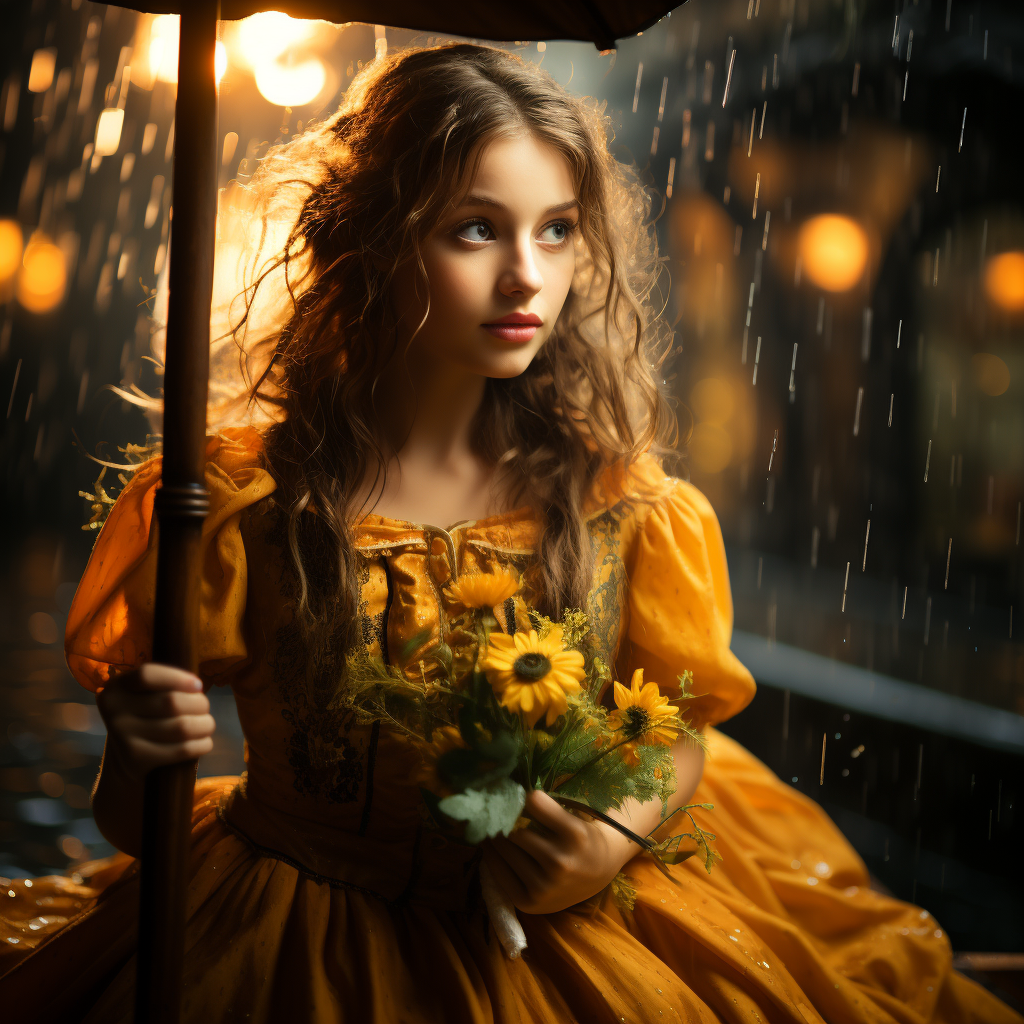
<point x="458" y="285"/>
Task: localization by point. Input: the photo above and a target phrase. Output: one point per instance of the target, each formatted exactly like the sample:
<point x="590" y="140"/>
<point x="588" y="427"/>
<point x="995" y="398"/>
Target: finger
<point x="167" y="704"/>
<point x="522" y="863"/>
<point x="507" y="879"/>
<point x="153" y="677"/>
<point x="144" y="756"/>
<point x="540" y="848"/>
<point x="549" y="812"/>
<point x="168" y="730"/>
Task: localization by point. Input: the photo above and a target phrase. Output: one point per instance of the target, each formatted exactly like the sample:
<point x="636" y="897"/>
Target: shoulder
<point x="636" y="489"/>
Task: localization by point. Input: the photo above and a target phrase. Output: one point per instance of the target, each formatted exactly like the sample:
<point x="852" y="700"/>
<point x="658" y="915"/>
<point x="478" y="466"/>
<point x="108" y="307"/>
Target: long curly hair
<point x="369" y="184"/>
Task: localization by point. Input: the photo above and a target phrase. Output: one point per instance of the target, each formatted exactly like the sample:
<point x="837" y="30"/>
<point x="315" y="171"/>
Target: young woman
<point x="466" y="379"/>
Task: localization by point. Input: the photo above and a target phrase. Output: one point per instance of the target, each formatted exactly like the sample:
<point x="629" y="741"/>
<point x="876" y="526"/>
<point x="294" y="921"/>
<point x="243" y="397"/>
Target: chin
<point x="511" y="365"/>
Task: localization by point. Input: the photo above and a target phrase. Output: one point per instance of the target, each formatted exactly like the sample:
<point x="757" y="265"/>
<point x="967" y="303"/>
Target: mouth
<point x="516" y="327"/>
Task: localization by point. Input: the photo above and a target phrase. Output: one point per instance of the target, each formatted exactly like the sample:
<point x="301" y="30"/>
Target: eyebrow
<point x="474" y="200"/>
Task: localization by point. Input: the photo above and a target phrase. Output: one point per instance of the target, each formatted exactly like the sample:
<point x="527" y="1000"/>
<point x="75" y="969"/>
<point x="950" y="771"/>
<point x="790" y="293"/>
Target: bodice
<point x="317" y="780"/>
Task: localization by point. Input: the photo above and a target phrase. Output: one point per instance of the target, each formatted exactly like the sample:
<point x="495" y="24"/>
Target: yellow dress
<point x="318" y="893"/>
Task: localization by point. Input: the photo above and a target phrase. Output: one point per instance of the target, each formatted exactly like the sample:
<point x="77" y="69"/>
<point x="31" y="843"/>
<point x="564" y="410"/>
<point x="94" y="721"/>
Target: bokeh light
<point x="991" y="374"/>
<point x="51" y="784"/>
<point x="73" y="847"/>
<point x="833" y="251"/>
<point x="261" y="44"/>
<point x="291" y="86"/>
<point x="262" y="38"/>
<point x="1004" y="281"/>
<point x="163" y="48"/>
<point x="40" y="288"/>
<point x="713" y="400"/>
<point x="40" y="74"/>
<point x="11" y="241"/>
<point x="710" y="448"/>
<point x="220" y="61"/>
<point x="108" y="131"/>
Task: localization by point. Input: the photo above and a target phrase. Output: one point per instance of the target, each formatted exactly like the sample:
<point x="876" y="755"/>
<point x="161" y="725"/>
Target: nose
<point x="521" y="276"/>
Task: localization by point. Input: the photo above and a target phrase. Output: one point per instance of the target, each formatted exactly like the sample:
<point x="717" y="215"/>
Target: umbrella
<point x="182" y="500"/>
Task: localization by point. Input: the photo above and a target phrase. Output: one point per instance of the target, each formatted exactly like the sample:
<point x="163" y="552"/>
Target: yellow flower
<point x="531" y="675"/>
<point x="642" y="717"/>
<point x="484" y="589"/>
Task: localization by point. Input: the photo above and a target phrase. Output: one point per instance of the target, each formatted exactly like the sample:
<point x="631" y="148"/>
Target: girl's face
<point x="504" y="252"/>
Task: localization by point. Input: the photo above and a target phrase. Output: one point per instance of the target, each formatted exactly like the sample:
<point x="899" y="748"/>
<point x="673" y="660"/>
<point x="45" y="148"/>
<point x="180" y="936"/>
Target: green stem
<point x="641" y="841"/>
<point x="593" y="760"/>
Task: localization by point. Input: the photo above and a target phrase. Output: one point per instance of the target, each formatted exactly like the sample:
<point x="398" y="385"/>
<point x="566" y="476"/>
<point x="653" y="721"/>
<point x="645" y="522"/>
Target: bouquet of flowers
<point x="502" y="714"/>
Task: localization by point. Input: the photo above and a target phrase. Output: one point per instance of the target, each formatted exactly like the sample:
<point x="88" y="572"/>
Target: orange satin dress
<point x="319" y="894"/>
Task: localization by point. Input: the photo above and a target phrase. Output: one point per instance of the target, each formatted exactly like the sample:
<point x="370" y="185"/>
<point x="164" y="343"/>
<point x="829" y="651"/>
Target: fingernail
<point x="197" y="683"/>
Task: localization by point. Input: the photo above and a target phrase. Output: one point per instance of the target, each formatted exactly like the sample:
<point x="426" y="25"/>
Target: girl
<point x="471" y="340"/>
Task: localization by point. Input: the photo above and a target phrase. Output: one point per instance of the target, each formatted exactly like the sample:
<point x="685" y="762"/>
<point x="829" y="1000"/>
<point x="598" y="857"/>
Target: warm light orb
<point x="220" y="61"/>
<point x="710" y="448"/>
<point x="43" y="276"/>
<point x="108" y="131"/>
<point x="291" y="86"/>
<point x="991" y="373"/>
<point x="713" y="400"/>
<point x="833" y="251"/>
<point x="11" y="241"/>
<point x="163" y="47"/>
<point x="1004" y="281"/>
<point x="262" y="38"/>
<point x="40" y="74"/>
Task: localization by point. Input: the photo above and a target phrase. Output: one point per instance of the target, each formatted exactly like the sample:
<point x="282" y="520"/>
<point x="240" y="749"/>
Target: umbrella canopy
<point x="600" y="22"/>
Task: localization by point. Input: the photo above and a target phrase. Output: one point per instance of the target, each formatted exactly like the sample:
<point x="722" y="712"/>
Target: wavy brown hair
<point x="370" y="184"/>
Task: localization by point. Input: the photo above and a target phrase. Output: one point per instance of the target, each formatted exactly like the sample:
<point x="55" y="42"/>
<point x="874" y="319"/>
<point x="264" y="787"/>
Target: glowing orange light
<point x="991" y="373"/>
<point x="291" y="86"/>
<point x="1004" y="281"/>
<point x="710" y="448"/>
<point x="43" y="276"/>
<point x="40" y="74"/>
<point x="263" y="38"/>
<point x="833" y="251"/>
<point x="108" y="131"/>
<point x="10" y="249"/>
<point x="163" y="47"/>
<point x="220" y="61"/>
<point x="713" y="401"/>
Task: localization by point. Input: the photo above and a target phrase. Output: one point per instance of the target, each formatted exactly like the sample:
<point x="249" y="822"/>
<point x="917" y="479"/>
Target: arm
<point x="154" y="716"/>
<point x="575" y="858"/>
<point x="643" y="818"/>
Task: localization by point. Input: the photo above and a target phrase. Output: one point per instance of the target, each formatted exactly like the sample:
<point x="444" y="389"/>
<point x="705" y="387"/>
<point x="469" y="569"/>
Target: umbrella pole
<point x="180" y="506"/>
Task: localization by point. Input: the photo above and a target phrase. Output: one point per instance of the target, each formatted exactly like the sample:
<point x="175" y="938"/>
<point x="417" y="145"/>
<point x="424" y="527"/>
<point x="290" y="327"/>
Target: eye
<point x="474" y="231"/>
<point x="559" y="232"/>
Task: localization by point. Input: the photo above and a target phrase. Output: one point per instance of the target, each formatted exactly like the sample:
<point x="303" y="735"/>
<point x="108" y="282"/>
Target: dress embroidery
<point x="325" y="760"/>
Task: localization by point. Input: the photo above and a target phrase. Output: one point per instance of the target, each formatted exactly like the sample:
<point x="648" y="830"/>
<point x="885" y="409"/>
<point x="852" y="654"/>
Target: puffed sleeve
<point x="110" y="624"/>
<point x="680" y="609"/>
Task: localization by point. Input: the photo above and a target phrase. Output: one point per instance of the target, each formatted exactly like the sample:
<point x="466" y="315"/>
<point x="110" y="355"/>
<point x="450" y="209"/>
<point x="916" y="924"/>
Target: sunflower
<point x="642" y="717"/>
<point x="532" y="675"/>
<point x="484" y="589"/>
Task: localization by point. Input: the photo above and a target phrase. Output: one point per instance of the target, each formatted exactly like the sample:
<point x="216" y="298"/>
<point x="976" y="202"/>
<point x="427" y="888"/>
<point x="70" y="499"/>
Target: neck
<point x="428" y="408"/>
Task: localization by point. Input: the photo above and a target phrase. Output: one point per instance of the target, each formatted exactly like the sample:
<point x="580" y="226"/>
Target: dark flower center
<point x="532" y="666"/>
<point x="637" y="721"/>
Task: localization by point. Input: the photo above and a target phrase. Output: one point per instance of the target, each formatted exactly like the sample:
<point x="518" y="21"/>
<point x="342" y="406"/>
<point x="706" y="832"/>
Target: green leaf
<point x="487" y="811"/>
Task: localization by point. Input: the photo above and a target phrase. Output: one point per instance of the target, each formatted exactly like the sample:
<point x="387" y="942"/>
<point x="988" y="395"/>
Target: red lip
<point x="526" y="319"/>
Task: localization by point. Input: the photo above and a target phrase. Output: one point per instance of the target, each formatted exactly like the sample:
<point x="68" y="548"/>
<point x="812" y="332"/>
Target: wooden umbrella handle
<point x="181" y="504"/>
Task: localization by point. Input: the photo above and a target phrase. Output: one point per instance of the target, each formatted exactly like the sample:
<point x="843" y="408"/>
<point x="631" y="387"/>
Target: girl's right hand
<point x="155" y="715"/>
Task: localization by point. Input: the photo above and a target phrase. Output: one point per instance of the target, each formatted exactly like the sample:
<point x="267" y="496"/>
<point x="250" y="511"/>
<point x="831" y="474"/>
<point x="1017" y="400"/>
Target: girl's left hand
<point x="543" y="875"/>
